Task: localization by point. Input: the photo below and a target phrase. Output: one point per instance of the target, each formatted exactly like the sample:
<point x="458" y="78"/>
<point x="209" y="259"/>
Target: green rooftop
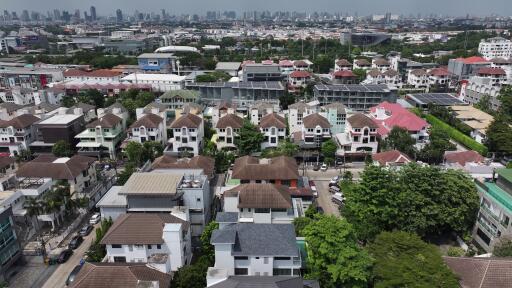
<point x="499" y="195"/>
<point x="185" y="94"/>
<point x="505" y="173"/>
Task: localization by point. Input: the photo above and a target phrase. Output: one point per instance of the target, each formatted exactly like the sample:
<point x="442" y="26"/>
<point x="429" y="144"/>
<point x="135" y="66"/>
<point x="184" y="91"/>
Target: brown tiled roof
<point x="107" y="121"/>
<point x="360" y="120"/>
<point x="439" y="72"/>
<point x="196" y="162"/>
<point x="20" y="122"/>
<point x="149" y="121"/>
<point x="481" y="272"/>
<point x="343" y="62"/>
<point x="463" y="157"/>
<point x="300" y="106"/>
<point x="249" y="168"/>
<point x="501" y="61"/>
<point x="344" y="74"/>
<point x="313" y="120"/>
<point x="140" y="228"/>
<point x="188" y="120"/>
<point x="418" y="72"/>
<point x="381" y="61"/>
<point x="272" y="120"/>
<point x="118" y="275"/>
<point x="391" y="157"/>
<point x="43" y="167"/>
<point x="6" y="161"/>
<point x="390" y="73"/>
<point x="95" y="73"/>
<point x="10" y="107"/>
<point x="261" y="195"/>
<point x="300" y="63"/>
<point x="362" y="62"/>
<point x="491" y="71"/>
<point x="230" y="120"/>
<point x="374" y="73"/>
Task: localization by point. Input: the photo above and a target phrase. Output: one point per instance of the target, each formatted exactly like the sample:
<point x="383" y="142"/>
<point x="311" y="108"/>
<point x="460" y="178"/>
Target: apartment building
<point x="315" y="130"/>
<point x="227" y="129"/>
<point x="187" y="135"/>
<point x="495" y="47"/>
<point x="296" y="114"/>
<point x="358" y="97"/>
<point x="102" y="137"/>
<point x="464" y="68"/>
<point x="162" y="240"/>
<point x="29" y="77"/>
<point x="336" y="114"/>
<point x="273" y="128"/>
<point x="360" y="136"/>
<point x="17" y="134"/>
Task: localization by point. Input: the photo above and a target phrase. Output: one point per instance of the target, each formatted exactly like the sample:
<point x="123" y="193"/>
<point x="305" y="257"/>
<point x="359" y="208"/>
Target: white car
<point x="95" y="219"/>
<point x="338" y="198"/>
<point x="324" y="167"/>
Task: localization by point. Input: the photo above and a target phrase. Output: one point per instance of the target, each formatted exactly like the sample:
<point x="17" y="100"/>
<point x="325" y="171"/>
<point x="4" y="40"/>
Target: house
<point x="227" y="129"/>
<point x="247" y="249"/>
<point x="8" y="110"/>
<point x="497" y="75"/>
<point x="495" y="211"/>
<point x="362" y="64"/>
<point x="273" y="128"/>
<point x="360" y="136"/>
<point x="224" y="281"/>
<point x="8" y="168"/>
<point x="481" y="272"/>
<point x="344" y="77"/>
<point x="55" y="128"/>
<point x="18" y="95"/>
<point x="105" y="75"/>
<point x="286" y="67"/>
<point x="102" y="137"/>
<point x="89" y="111"/>
<point x="259" y="203"/>
<point x="336" y="114"/>
<point x="160" y="239"/>
<point x="389" y="115"/>
<point x="148" y="127"/>
<point x="342" y="64"/>
<point x="298" y="80"/>
<point x="112" y="205"/>
<point x="158" y="82"/>
<point x="390" y="158"/>
<point x="116" y="275"/>
<point x="381" y="64"/>
<point x="472" y="163"/>
<point x="161" y="62"/>
<point x="187" y="135"/>
<point x="117" y="109"/>
<point x="17" y="134"/>
<point x="197" y="165"/>
<point x="315" y="130"/>
<point x="302" y="65"/>
<point x="230" y="68"/>
<point x="475" y="118"/>
<point x="418" y="78"/>
<point x="296" y="114"/>
<point x="438" y="77"/>
<point x="159" y="191"/>
<point x="260" y="109"/>
<point x="176" y="99"/>
<point x="280" y="170"/>
<point x="222" y="109"/>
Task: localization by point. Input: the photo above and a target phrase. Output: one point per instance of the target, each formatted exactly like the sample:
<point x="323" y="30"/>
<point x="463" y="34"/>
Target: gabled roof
<point x="108" y="120"/>
<point x="300" y="74"/>
<point x="20" y="122"/>
<point x="188" y="120"/>
<point x="344" y="74"/>
<point x="491" y="71"/>
<point x="261" y="106"/>
<point x="49" y="166"/>
<point x="501" y="61"/>
<point x="261" y="195"/>
<point x="338" y="106"/>
<point x="398" y="116"/>
<point x="362" y="62"/>
<point x="481" y="272"/>
<point x="266" y="282"/>
<point x="374" y="73"/>
<point x="196" y="162"/>
<point x="230" y="120"/>
<point x="286" y="63"/>
<point x="390" y="73"/>
<point x="343" y="62"/>
<point x="10" y="107"/>
<point x="185" y="94"/>
<point x="250" y="168"/>
<point x="149" y="121"/>
<point x="300" y="106"/>
<point x="419" y="72"/>
<point x="472" y="60"/>
<point x="463" y="157"/>
<point x="439" y="72"/>
<point x="6" y="161"/>
<point x="84" y="106"/>
<point x="313" y="120"/>
<point x="360" y="120"/>
<point x="272" y="120"/>
<point x="140" y="228"/>
<point x="381" y="62"/>
<point x="118" y="275"/>
<point x="300" y="63"/>
<point x="392" y="157"/>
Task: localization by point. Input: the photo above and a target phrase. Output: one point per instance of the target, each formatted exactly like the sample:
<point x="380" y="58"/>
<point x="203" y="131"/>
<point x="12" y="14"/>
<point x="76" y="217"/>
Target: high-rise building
<point x="24" y="16"/>
<point x="119" y="15"/>
<point x="56" y="15"/>
<point x="93" y="13"/>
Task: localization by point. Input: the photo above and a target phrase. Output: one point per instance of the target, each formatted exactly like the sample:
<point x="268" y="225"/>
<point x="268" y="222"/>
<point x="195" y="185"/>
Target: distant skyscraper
<point x="56" y="14"/>
<point x="119" y="15"/>
<point x="24" y="16"/>
<point x="93" y="13"/>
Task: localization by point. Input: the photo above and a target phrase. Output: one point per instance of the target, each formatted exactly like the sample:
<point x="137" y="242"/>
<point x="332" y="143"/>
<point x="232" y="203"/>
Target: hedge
<point x="456" y="135"/>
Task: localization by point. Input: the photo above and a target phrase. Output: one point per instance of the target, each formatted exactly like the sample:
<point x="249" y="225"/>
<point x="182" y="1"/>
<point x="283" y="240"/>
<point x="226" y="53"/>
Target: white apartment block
<point x="227" y="129"/>
<point x="158" y="82"/>
<point x="296" y="114"/>
<point x="496" y="47"/>
<point x="188" y="133"/>
<point x="273" y="128"/>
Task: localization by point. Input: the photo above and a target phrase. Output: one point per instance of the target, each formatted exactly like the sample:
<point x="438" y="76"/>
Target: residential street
<point x="58" y="278"/>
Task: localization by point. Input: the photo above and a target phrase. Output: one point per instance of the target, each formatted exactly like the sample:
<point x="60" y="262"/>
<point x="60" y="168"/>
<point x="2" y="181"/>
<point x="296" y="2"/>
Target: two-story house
<point x="273" y="128"/>
<point x="227" y="129"/>
<point x="315" y="130"/>
<point x="187" y="135"/>
<point x="148" y="127"/>
<point x="102" y="137"/>
<point x="296" y="114"/>
<point x="278" y="170"/>
<point x="381" y="64"/>
<point x="439" y="77"/>
<point x="343" y="77"/>
<point x="342" y="64"/>
<point x="298" y="80"/>
<point x="255" y="250"/>
<point x="418" y="78"/>
<point x="160" y="239"/>
<point x="360" y="136"/>
<point x="17" y="134"/>
<point x="362" y="64"/>
<point x="495" y="211"/>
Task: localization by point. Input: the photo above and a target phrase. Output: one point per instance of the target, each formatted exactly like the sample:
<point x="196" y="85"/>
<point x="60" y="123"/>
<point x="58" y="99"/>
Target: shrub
<point x="456" y="252"/>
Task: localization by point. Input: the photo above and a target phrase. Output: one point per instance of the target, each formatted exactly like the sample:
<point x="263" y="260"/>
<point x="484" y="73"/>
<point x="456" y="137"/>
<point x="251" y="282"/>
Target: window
<point x="278" y="209"/>
<point x="106" y="130"/>
<point x="158" y="246"/>
<point x="286" y="182"/>
<point x="241" y="271"/>
<point x="130" y="248"/>
<point x="119" y="259"/>
<point x="149" y="246"/>
<point x="281" y="258"/>
<point x="116" y="246"/>
<point x="222" y="130"/>
<point x="483" y="236"/>
<point x="265" y="260"/>
<point x="193" y="139"/>
<point x="357" y="130"/>
<point x="191" y="130"/>
<point x="311" y="130"/>
<point x="198" y="199"/>
<point x="281" y="130"/>
<point x="241" y="258"/>
<point x="281" y="271"/>
<point x="262" y="210"/>
<point x="138" y="246"/>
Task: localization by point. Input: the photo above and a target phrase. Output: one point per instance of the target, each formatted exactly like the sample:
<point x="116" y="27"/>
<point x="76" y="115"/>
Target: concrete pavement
<point x="324" y="198"/>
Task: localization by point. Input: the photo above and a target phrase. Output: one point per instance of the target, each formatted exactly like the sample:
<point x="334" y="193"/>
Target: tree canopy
<point x="329" y="148"/>
<point x="284" y="148"/>
<point x="215" y="76"/>
<point x="503" y="248"/>
<point x="61" y="149"/>
<point x="433" y="152"/>
<point x="399" y="139"/>
<point x="424" y="200"/>
<point x="404" y="260"/>
<point x="499" y="139"/>
<point x="249" y="138"/>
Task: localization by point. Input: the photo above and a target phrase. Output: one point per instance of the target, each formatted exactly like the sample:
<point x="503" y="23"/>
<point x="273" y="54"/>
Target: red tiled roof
<point x="286" y="63"/>
<point x="300" y="74"/>
<point x="391" y="157"/>
<point x="491" y="71"/>
<point x="439" y="72"/>
<point x="399" y="116"/>
<point x="300" y="63"/>
<point x="343" y="74"/>
<point x="95" y="73"/>
<point x="267" y="62"/>
<point x="472" y="60"/>
<point x="481" y="272"/>
<point x="463" y="157"/>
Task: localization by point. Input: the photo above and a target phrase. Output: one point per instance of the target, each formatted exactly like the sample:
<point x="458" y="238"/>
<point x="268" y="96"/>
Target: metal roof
<point x="151" y="184"/>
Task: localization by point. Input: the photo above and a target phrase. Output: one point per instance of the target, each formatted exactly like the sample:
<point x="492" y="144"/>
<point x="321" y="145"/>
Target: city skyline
<point x="362" y="7"/>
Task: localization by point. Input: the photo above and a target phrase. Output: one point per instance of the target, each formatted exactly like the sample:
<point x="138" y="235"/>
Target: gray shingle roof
<point x="226" y="217"/>
<point x="263" y="282"/>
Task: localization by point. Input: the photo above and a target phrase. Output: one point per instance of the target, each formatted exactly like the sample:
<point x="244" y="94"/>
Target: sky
<point x="362" y="7"/>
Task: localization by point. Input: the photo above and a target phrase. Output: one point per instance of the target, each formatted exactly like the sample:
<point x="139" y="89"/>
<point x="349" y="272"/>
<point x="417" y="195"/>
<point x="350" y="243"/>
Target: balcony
<point x="488" y="228"/>
<point x="490" y="212"/>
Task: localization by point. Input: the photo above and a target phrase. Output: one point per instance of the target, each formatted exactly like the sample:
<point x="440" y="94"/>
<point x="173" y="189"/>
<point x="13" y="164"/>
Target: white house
<point x="149" y="126"/>
<point x="381" y="64"/>
<point x="273" y="128"/>
<point x="342" y="64"/>
<point x="227" y="129"/>
<point x="102" y="136"/>
<point x="188" y="133"/>
<point x="160" y="239"/>
<point x="259" y="109"/>
<point x="315" y="130"/>
<point x="418" y="78"/>
<point x="360" y="136"/>
<point x="158" y="82"/>
<point x="362" y="64"/>
<point x="297" y="80"/>
<point x="17" y="133"/>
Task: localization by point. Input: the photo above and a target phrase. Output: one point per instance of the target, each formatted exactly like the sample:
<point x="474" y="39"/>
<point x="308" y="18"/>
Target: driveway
<point x="324" y="198"/>
<point x="58" y="278"/>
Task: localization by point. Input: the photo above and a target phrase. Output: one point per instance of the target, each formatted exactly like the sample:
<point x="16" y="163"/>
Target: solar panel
<point x="443" y="99"/>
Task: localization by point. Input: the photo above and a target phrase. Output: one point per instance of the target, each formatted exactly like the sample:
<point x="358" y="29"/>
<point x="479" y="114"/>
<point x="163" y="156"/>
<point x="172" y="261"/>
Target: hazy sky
<point x="362" y="7"/>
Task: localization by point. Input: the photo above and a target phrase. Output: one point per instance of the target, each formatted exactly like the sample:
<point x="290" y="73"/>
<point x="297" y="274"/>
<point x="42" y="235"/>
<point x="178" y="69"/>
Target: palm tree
<point x="34" y="208"/>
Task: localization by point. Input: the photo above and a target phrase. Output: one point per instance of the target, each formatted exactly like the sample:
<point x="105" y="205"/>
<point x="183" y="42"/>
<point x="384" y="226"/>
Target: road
<point x="324" y="198"/>
<point x="58" y="278"/>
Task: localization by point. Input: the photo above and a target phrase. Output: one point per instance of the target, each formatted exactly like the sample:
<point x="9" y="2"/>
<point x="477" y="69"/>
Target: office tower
<point x="119" y="15"/>
<point x="93" y="13"/>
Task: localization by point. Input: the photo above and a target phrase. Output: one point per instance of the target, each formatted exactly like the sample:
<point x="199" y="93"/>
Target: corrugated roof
<point x="481" y="272"/>
<point x="151" y="183"/>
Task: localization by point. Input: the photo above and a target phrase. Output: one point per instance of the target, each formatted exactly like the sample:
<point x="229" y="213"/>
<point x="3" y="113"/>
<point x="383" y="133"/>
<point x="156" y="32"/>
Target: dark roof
<point x="250" y="168"/>
<point x="140" y="228"/>
<point x="107" y="121"/>
<point x="481" y="272"/>
<point x="343" y="62"/>
<point x="188" y="120"/>
<point x="196" y="162"/>
<point x="118" y="275"/>
<point x="44" y="167"/>
<point x="6" y="161"/>
<point x="313" y="120"/>
<point x="149" y="121"/>
<point x="20" y="122"/>
<point x="84" y="106"/>
<point x="360" y="120"/>
<point x="226" y="217"/>
<point x="261" y="195"/>
<point x="10" y="107"/>
<point x="265" y="282"/>
<point x="230" y="120"/>
<point x="258" y="239"/>
<point x="272" y="120"/>
<point x="362" y="62"/>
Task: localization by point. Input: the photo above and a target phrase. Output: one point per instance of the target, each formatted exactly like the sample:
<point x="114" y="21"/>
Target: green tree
<point x="329" y="148"/>
<point x="286" y="100"/>
<point x="360" y="74"/>
<point x="61" y="149"/>
<point x="152" y="150"/>
<point x="93" y="97"/>
<point x="505" y="98"/>
<point x="216" y="76"/>
<point x="207" y="249"/>
<point x="249" y="138"/>
<point x="499" y="138"/>
<point x="129" y="169"/>
<point x="403" y="260"/>
<point x="284" y="148"/>
<point x="191" y="276"/>
<point x="135" y="152"/>
<point x="423" y="200"/>
<point x="503" y="248"/>
<point x="223" y="160"/>
<point x="300" y="223"/>
<point x="484" y="104"/>
<point x="68" y="101"/>
<point x="334" y="257"/>
<point x="399" y="139"/>
<point x="433" y="152"/>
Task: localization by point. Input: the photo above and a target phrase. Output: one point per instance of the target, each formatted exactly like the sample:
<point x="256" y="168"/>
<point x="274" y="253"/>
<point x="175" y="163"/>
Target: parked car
<point x="72" y="275"/>
<point x="334" y="189"/>
<point x="86" y="230"/>
<point x="64" y="256"/>
<point x="324" y="167"/>
<point x="316" y="167"/>
<point x="313" y="188"/>
<point x="75" y="242"/>
<point x="334" y="181"/>
<point x="338" y="198"/>
<point x="95" y="219"/>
